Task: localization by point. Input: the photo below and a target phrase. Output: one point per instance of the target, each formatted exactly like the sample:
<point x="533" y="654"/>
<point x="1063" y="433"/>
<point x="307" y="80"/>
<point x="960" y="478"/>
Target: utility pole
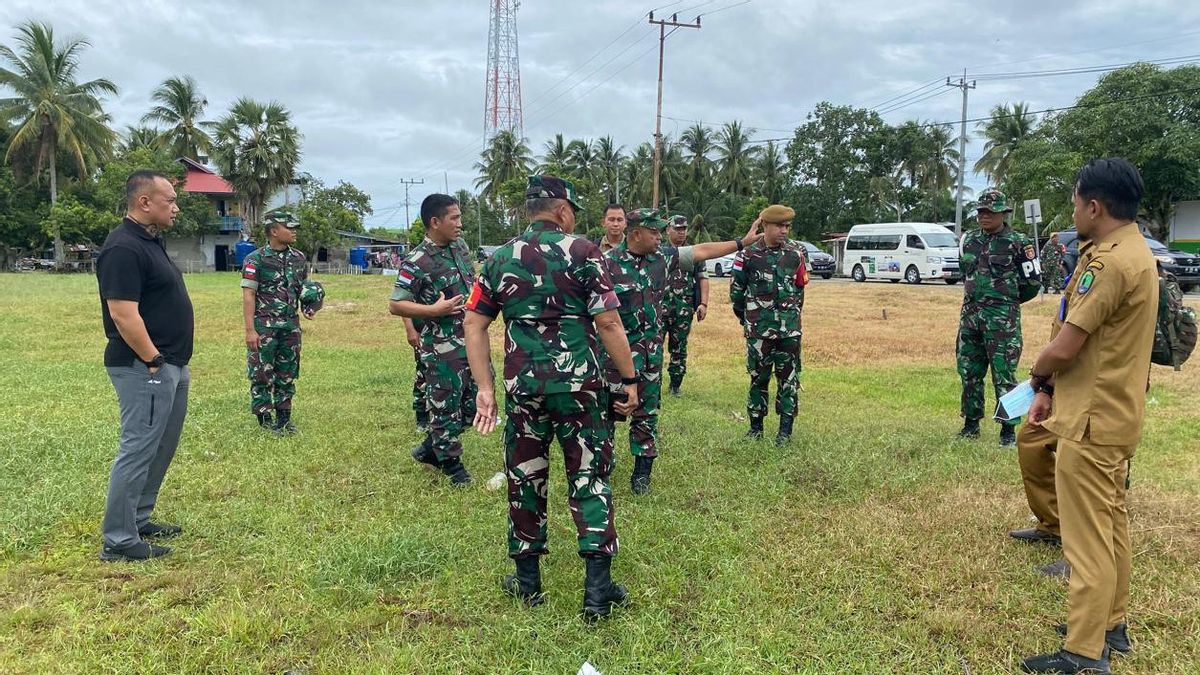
<point x="406" y="182"/>
<point x="662" y="41"/>
<point x="962" y="151"/>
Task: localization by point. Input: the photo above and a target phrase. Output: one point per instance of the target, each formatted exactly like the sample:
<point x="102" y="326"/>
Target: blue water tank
<point x="358" y="256"/>
<point x="243" y="249"/>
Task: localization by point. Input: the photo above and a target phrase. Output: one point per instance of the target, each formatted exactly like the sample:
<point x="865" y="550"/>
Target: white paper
<point x="1015" y="403"/>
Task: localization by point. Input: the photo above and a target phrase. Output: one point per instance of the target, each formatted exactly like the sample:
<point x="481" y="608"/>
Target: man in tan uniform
<point x="1036" y="449"/>
<point x="1091" y="382"/>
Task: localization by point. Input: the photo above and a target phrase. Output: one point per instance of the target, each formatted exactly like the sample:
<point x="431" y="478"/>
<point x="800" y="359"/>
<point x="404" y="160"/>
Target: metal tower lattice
<point x="502" y="100"/>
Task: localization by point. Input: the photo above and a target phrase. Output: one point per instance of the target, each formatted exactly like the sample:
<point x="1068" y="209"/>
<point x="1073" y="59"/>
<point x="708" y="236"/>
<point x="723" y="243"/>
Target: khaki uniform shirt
<point x="1113" y="296"/>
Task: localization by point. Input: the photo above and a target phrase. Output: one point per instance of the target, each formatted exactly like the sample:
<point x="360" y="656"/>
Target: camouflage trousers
<point x="1053" y="275"/>
<point x="577" y="419"/>
<point x="449" y="402"/>
<point x="780" y="356"/>
<point x="643" y="421"/>
<point x="418" y="391"/>
<point x="678" y="328"/>
<point x="988" y="335"/>
<point x="274" y="367"/>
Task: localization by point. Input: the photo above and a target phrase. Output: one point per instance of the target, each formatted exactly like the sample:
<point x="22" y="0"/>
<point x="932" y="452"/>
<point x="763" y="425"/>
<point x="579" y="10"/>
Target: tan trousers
<point x="1035" y="452"/>
<point x="1095" y="529"/>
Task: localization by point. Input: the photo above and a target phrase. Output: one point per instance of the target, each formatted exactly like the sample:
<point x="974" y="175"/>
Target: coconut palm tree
<point x="608" y="167"/>
<point x="180" y="107"/>
<point x="555" y="156"/>
<point x="770" y="172"/>
<point x="735" y="158"/>
<point x="256" y="148"/>
<point x="638" y="172"/>
<point x="1006" y="129"/>
<point x="136" y="138"/>
<point x="51" y="112"/>
<point x="697" y="141"/>
<point x="506" y="157"/>
<point x="582" y="157"/>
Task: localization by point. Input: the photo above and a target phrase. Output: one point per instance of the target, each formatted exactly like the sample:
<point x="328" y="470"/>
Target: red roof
<point x="203" y="180"/>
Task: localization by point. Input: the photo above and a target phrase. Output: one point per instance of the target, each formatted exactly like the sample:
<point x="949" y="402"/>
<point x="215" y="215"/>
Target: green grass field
<point x="872" y="544"/>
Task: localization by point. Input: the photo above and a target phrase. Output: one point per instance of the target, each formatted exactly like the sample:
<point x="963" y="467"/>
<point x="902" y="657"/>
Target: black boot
<point x="756" y="428"/>
<point x="785" y="430"/>
<point x="639" y="480"/>
<point x="599" y="591"/>
<point x="458" y="474"/>
<point x="424" y="454"/>
<point x="422" y="421"/>
<point x="674" y="389"/>
<point x="526" y="584"/>
<point x="283" y="422"/>
<point x="970" y="429"/>
<point x="265" y="421"/>
<point x="1008" y="436"/>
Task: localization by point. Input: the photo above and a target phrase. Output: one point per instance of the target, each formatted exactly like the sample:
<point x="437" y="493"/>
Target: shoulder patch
<point x="738" y="262"/>
<point x="405" y="276"/>
<point x="1086" y="281"/>
<point x="1095" y="265"/>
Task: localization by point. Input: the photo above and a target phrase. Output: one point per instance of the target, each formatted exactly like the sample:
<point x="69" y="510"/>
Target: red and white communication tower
<point x="502" y="100"/>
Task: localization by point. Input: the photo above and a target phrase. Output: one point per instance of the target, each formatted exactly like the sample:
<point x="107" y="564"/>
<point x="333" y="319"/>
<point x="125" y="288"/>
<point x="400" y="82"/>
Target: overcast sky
<point x="384" y="91"/>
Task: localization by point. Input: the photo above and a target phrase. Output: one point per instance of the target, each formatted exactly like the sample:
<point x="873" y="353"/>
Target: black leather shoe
<point x="1035" y="535"/>
<point x="970" y="429"/>
<point x="1117" y="639"/>
<point x="1008" y="436"/>
<point x="756" y="428"/>
<point x="599" y="591"/>
<point x="459" y="476"/>
<point x="135" y="553"/>
<point x="639" y="480"/>
<point x="1057" y="569"/>
<point x="424" y="454"/>
<point x="160" y="530"/>
<point x="1063" y="661"/>
<point x="526" y="583"/>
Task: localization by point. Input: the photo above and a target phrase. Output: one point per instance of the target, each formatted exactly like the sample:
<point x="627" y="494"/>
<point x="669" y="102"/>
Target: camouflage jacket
<point x="428" y="272"/>
<point x="276" y="277"/>
<point x="683" y="290"/>
<point x="549" y="285"/>
<point x="764" y="291"/>
<point x="999" y="269"/>
<point x="1052" y="255"/>
<point x="640" y="282"/>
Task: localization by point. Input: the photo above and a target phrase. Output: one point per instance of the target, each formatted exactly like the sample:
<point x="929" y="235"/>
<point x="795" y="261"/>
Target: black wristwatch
<point x="157" y="362"/>
<point x="1046" y="388"/>
<point x="739" y="243"/>
<point x="629" y="380"/>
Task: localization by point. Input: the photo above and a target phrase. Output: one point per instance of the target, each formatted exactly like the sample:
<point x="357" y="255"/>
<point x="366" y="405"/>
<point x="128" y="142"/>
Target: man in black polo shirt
<point x="148" y="320"/>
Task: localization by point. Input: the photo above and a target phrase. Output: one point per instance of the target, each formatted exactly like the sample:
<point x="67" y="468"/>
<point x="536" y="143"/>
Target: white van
<point x="894" y="251"/>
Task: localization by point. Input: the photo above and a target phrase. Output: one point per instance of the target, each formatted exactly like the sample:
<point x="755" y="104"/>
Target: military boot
<point x="283" y="422"/>
<point x="756" y="428"/>
<point x="674" y="389"/>
<point x="459" y="477"/>
<point x="785" y="430"/>
<point x="265" y="421"/>
<point x="526" y="583"/>
<point x="424" y="454"/>
<point x="639" y="480"/>
<point x="422" y="421"/>
<point x="1008" y="436"/>
<point x="599" y="591"/>
<point x="970" y="429"/>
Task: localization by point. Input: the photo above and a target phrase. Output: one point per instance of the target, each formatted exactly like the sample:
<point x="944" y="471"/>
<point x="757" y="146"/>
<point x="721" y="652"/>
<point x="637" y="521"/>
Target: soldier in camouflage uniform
<point x="767" y="293"/>
<point x="272" y="278"/>
<point x="556" y="299"/>
<point x="687" y="297"/>
<point x="1000" y="271"/>
<point x="640" y="267"/>
<point x="432" y="286"/>
<point x="1053" y="273"/>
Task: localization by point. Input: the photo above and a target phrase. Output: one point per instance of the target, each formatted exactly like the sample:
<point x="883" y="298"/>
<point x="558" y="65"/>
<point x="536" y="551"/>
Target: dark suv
<point x="1185" y="266"/>
<point x="819" y="261"/>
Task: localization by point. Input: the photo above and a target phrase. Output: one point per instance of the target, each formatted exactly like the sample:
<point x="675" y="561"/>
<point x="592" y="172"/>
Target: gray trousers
<point x="152" y="411"/>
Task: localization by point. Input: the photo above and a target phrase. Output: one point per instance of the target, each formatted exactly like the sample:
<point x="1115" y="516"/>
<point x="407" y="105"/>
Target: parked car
<point x="1185" y="266"/>
<point x="720" y="267"/>
<point x="819" y="262"/>
<point x="485" y="252"/>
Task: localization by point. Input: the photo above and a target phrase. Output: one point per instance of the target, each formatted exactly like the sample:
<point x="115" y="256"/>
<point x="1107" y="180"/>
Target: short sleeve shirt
<point x="640" y="282"/>
<point x="276" y="277"/>
<point x="427" y="273"/>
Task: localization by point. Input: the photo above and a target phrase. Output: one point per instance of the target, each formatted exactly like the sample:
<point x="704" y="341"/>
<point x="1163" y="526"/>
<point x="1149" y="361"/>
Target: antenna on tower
<point x="502" y="98"/>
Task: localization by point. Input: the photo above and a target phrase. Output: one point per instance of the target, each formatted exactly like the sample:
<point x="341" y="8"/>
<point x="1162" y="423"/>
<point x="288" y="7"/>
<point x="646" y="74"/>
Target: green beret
<point x="778" y="214"/>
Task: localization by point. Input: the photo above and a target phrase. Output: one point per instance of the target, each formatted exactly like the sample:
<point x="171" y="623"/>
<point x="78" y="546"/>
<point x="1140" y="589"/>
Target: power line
<point x="1172" y="60"/>
<point x="1174" y="37"/>
<point x="901" y="106"/>
<point x="932" y="83"/>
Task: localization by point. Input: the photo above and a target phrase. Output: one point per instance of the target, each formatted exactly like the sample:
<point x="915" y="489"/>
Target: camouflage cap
<point x="280" y="217"/>
<point x="552" y="187"/>
<point x="649" y="218"/>
<point x="993" y="200"/>
<point x="777" y="214"/>
<point x="312" y="296"/>
<point x="678" y="221"/>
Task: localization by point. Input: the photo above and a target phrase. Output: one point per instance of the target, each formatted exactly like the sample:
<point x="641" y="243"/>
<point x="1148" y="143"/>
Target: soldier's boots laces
<point x="785" y="430"/>
<point x="526" y="583"/>
<point x="1117" y="639"/>
<point x="265" y="421"/>
<point x="970" y="429"/>
<point x="283" y="424"/>
<point x="1008" y="436"/>
<point x="458" y="474"/>
<point x="599" y="591"/>
<point x="424" y="454"/>
<point x="639" y="480"/>
<point x="1067" y="663"/>
<point x="756" y="428"/>
<point x="675" y="384"/>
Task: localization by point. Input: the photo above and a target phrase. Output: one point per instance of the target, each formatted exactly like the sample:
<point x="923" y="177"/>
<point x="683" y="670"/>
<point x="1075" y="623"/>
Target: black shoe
<point x="1035" y="535"/>
<point x="1117" y="639"/>
<point x="265" y="421"/>
<point x="423" y="423"/>
<point x="1063" y="661"/>
<point x="526" y="584"/>
<point x="674" y="388"/>
<point x="599" y="591"/>
<point x="756" y="428"/>
<point x="785" y="430"/>
<point x="1008" y="436"/>
<point x="458" y="474"/>
<point x="134" y="553"/>
<point x="424" y="454"/>
<point x="674" y="391"/>
<point x="283" y="423"/>
<point x="639" y="480"/>
<point x="1057" y="569"/>
<point x="970" y="429"/>
<point x="159" y="530"/>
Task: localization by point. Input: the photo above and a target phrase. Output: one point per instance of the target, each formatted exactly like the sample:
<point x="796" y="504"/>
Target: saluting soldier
<point x="767" y="292"/>
<point x="687" y="298"/>
<point x="1091" y="382"/>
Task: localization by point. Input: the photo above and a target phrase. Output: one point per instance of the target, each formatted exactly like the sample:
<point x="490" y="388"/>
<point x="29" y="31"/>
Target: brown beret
<point x="777" y="213"/>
